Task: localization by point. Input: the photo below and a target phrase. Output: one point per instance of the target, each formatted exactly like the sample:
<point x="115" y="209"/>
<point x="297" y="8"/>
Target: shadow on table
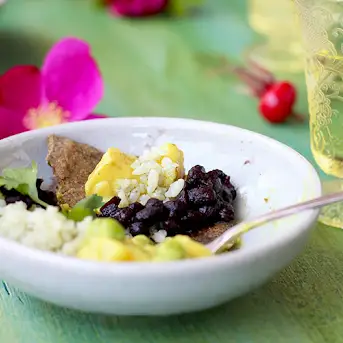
<point x="21" y="48"/>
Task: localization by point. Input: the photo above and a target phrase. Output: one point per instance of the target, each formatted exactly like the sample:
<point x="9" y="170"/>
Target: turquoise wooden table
<point x="157" y="68"/>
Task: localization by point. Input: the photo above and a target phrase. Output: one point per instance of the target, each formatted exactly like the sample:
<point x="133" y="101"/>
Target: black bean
<point x="46" y="196"/>
<point x="216" y="184"/>
<point x="194" y="216"/>
<point x="225" y="179"/>
<point x="124" y="215"/>
<point x="114" y="201"/>
<point x="154" y="211"/>
<point x="110" y="208"/>
<point x="203" y="195"/>
<point x="192" y="221"/>
<point x="153" y="202"/>
<point x="11" y="199"/>
<point x="227" y="213"/>
<point x="209" y="212"/>
<point x="156" y="226"/>
<point x="205" y="199"/>
<point x="136" y="206"/>
<point x="234" y="193"/>
<point x="39" y="183"/>
<point x="196" y="174"/>
<point x="183" y="198"/>
<point x="172" y="208"/>
<point x="11" y="196"/>
<point x="175" y="208"/>
<point x="8" y="192"/>
<point x="138" y="228"/>
<point x="172" y="227"/>
<point x="228" y="194"/>
<point x="228" y="188"/>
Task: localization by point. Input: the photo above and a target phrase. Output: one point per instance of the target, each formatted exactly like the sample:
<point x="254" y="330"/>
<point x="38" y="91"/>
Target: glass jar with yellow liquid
<point x="322" y="30"/>
<point x="275" y="20"/>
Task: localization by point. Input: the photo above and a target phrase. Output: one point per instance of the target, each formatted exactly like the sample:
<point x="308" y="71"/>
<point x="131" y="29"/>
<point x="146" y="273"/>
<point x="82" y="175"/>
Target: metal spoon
<point x="229" y="237"/>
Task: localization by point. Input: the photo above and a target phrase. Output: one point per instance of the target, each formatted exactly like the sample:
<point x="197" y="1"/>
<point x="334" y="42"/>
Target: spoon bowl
<point x="228" y="238"/>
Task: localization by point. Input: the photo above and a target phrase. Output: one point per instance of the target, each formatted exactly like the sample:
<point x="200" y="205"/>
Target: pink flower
<point x="137" y="8"/>
<point x="67" y="88"/>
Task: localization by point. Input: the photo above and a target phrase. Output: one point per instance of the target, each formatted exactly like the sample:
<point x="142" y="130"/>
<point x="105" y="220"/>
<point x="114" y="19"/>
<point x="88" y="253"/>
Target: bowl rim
<point x="73" y="264"/>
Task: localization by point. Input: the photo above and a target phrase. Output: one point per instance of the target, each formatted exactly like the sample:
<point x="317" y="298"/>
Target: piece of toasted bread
<point x="72" y="163"/>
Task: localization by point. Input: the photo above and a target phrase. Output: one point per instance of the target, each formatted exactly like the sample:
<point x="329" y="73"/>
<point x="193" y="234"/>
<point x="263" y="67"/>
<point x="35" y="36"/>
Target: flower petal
<point x="11" y="123"/>
<point x="95" y="116"/>
<point x="72" y="78"/>
<point x="21" y="88"/>
<point x="137" y="8"/>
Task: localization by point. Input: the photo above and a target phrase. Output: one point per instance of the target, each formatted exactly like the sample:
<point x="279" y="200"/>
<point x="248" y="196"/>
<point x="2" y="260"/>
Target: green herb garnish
<point x="22" y="180"/>
<point x="84" y="208"/>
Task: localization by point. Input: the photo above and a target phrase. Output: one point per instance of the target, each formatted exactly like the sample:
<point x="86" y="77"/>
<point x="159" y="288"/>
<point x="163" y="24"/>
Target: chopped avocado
<point x="193" y="249"/>
<point x="104" y="249"/>
<point x="141" y="240"/>
<point x="101" y="244"/>
<point x="169" y="251"/>
<point x="139" y="253"/>
<point x="106" y="228"/>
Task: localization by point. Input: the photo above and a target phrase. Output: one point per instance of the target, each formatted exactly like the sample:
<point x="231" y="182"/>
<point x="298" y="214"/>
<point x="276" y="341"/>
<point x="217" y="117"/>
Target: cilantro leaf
<point x="22" y="180"/>
<point x="85" y="208"/>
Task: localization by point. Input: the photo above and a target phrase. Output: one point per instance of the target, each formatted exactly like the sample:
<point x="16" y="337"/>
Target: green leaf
<point x="92" y="202"/>
<point x="85" y="208"/>
<point x="22" y="180"/>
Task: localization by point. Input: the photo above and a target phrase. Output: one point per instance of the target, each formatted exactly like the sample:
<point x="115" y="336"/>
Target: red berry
<point x="277" y="102"/>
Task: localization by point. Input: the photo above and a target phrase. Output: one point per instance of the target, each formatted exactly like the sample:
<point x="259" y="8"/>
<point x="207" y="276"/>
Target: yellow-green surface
<point x="157" y="68"/>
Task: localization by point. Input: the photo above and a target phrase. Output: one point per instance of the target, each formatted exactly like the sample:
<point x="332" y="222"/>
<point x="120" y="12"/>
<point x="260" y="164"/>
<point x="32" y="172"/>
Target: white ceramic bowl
<point x="268" y="175"/>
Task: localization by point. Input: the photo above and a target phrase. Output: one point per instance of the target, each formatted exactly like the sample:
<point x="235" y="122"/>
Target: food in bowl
<point x="275" y="171"/>
<point x="114" y="206"/>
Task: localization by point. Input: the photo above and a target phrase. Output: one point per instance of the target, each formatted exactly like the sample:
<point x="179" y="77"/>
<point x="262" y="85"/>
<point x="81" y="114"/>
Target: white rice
<point x="44" y="229"/>
<point x="47" y="229"/>
<point x="175" y="188"/>
<point x="156" y="179"/>
<point x="159" y="236"/>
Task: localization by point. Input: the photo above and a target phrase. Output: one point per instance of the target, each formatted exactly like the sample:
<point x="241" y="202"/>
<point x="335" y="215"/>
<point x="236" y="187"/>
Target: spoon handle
<point x="231" y="235"/>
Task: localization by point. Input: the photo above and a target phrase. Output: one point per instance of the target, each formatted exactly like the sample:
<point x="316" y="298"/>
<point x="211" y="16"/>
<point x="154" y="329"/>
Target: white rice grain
<point x="159" y="236"/>
<point x="153" y="178"/>
<point x="144" y="199"/>
<point x="134" y="195"/>
<point x="123" y="199"/>
<point x="159" y="193"/>
<point x="175" y="188"/>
